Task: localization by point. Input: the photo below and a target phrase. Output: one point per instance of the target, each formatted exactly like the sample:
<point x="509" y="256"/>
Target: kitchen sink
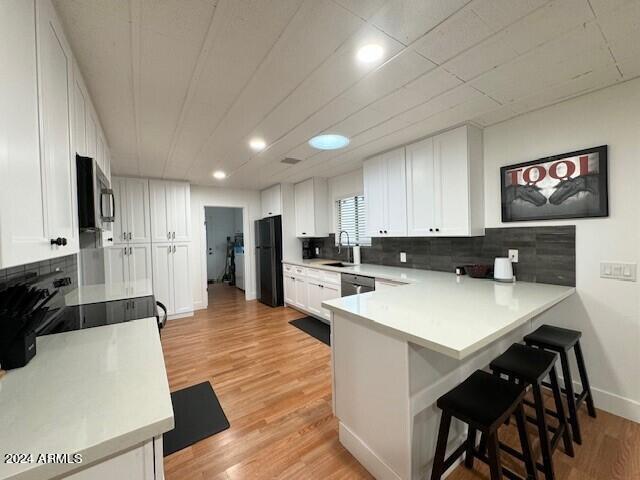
<point x="336" y="264"/>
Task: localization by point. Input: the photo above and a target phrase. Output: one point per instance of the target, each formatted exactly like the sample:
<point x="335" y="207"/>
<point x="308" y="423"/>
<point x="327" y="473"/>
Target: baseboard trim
<point x="611" y="402"/>
<point x="175" y="316"/>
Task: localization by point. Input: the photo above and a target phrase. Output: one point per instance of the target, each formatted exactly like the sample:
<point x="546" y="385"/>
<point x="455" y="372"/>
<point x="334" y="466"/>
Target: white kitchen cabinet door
<point x="452" y="187"/>
<point x="158" y="208"/>
<point x="162" y="261"/>
<point x="79" y="108"/>
<point x="421" y="206"/>
<point x="135" y="464"/>
<point x="116" y="264"/>
<point x="119" y="188"/>
<point x="55" y="83"/>
<point x="92" y="133"/>
<point x="182" y="291"/>
<point x="100" y="151"/>
<point x="139" y="262"/>
<point x="289" y="289"/>
<point x="137" y="199"/>
<point x="303" y="194"/>
<point x="179" y="202"/>
<point x="330" y="292"/>
<point x="23" y="229"/>
<point x="271" y="201"/>
<point x="315" y="295"/>
<point x="374" y="194"/>
<point x="301" y="292"/>
<point x="395" y="194"/>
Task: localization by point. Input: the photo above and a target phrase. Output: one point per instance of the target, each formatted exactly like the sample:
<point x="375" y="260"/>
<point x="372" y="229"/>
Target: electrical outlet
<point x="618" y="271"/>
<point x="403" y="257"/>
<point x="317" y="250"/>
<point x="513" y="255"/>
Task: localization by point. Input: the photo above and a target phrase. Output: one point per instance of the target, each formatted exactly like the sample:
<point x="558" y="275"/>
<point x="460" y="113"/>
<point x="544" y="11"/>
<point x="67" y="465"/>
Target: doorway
<point x="224" y="247"/>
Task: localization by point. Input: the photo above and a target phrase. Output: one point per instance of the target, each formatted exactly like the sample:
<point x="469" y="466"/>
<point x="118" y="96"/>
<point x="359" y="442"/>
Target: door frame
<point x="203" y="242"/>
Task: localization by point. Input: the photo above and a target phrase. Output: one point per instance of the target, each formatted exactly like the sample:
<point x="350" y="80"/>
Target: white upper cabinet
<point x="385" y="194"/>
<point x="311" y="208"/>
<point x="445" y="184"/>
<point x="170" y="211"/>
<point x="271" y="201"/>
<point x="79" y="120"/>
<point x="132" y="223"/>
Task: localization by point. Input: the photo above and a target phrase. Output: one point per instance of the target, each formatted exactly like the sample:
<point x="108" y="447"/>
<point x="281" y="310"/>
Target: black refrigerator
<point x="269" y="261"/>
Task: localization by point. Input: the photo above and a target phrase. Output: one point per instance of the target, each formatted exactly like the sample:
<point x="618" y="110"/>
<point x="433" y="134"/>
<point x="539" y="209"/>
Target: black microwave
<point x="96" y="203"/>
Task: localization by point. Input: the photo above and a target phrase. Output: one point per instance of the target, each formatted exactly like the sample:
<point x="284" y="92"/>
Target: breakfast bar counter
<point x="395" y="352"/>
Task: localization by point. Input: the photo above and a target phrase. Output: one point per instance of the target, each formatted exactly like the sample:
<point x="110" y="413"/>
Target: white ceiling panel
<point x="180" y="86"/>
<point x="459" y="32"/>
<point x="408" y="20"/>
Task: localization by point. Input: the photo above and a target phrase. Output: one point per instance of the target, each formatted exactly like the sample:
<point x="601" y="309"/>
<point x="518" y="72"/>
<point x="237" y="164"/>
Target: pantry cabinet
<point x="271" y="201"/>
<point x="170" y="211"/>
<point x="311" y="200"/>
<point x="171" y="278"/>
<point x="132" y="220"/>
<point x="445" y="184"/>
<point x="385" y="194"/>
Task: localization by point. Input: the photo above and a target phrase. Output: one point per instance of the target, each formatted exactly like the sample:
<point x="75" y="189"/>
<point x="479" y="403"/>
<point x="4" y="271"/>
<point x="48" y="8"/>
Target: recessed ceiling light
<point x="370" y="53"/>
<point x="329" y="141"/>
<point x="257" y="144"/>
<point x="219" y="174"/>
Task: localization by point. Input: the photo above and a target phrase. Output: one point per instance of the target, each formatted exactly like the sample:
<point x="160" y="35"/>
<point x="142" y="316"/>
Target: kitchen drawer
<point x="301" y="271"/>
<point x="288" y="268"/>
<point x="331" y="277"/>
<point x="315" y="273"/>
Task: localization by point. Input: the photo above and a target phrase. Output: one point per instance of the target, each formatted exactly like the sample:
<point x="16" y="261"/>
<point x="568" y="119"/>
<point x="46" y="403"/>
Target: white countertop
<point x="108" y="292"/>
<point x="456" y="316"/>
<point x="95" y="392"/>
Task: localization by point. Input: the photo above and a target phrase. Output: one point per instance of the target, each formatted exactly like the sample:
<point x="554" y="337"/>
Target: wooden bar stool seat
<point x="483" y="401"/>
<point x="529" y="366"/>
<point x="561" y="340"/>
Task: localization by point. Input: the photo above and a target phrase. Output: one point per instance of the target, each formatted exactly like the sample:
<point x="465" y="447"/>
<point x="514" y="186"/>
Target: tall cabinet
<point x="170" y="207"/>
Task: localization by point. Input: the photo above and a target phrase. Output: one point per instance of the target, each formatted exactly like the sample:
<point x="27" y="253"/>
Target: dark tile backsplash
<point x="68" y="264"/>
<point x="546" y="254"/>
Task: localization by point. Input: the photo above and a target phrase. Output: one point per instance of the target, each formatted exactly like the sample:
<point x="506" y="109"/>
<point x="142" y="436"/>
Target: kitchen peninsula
<point x="396" y="351"/>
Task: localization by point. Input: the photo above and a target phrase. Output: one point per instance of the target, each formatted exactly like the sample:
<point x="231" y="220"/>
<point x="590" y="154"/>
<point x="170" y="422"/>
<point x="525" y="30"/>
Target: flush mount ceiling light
<point x="257" y="144"/>
<point x="329" y="141"/>
<point x="219" y="174"/>
<point x="370" y="53"/>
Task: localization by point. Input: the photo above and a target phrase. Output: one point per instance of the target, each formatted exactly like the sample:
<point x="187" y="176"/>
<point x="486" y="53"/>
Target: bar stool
<point x="561" y="340"/>
<point x="529" y="366"/>
<point x="483" y="401"/>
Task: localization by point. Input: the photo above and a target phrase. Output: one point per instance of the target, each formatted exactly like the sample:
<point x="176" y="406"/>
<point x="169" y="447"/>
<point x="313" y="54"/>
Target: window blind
<point x="352" y="219"/>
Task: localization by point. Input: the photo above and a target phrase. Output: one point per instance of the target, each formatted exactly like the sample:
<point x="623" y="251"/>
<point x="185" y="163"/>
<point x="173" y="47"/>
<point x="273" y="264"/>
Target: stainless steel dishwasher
<point x="354" y="284"/>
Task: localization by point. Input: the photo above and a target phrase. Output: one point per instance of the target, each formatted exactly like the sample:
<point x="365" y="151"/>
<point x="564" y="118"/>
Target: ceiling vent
<point x="290" y="161"/>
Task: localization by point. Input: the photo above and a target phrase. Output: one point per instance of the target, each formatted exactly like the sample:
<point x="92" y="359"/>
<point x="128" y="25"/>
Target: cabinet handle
<point x="60" y="241"/>
<point x="431" y="229"/>
<point x="385" y="231"/>
<point x="125" y="250"/>
<point x="168" y="235"/>
<point x="380" y="231"/>
<point x="173" y="235"/>
<point x="130" y="250"/>
<point x="437" y="229"/>
<point x="174" y="249"/>
<point x="130" y="235"/>
<point x="169" y="248"/>
<point x="321" y="286"/>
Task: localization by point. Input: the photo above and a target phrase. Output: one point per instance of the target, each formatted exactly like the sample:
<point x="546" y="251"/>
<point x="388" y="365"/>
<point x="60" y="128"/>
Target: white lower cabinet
<point x="140" y="463"/>
<point x="171" y="280"/>
<point x="306" y="288"/>
<point x="127" y="263"/>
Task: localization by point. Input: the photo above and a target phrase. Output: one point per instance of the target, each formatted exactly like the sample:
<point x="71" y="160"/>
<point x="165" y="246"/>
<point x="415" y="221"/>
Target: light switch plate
<point x="619" y="271"/>
<point x="317" y="250"/>
<point x="403" y="257"/>
<point x="513" y="255"/>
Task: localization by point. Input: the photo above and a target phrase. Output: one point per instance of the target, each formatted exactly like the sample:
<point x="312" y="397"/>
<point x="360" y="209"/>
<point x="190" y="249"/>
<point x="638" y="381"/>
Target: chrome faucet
<point x="340" y="244"/>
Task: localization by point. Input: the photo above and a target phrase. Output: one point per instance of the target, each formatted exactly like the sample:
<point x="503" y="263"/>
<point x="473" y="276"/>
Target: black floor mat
<point x="314" y="327"/>
<point x="198" y="415"/>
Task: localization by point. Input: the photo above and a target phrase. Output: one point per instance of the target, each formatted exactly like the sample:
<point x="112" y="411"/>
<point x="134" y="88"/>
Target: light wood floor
<point x="274" y="383"/>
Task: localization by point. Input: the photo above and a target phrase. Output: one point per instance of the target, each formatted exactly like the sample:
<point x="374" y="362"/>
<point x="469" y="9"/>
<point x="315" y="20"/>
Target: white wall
<point x="348" y="184"/>
<point x="249" y="201"/>
<point x="606" y="311"/>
